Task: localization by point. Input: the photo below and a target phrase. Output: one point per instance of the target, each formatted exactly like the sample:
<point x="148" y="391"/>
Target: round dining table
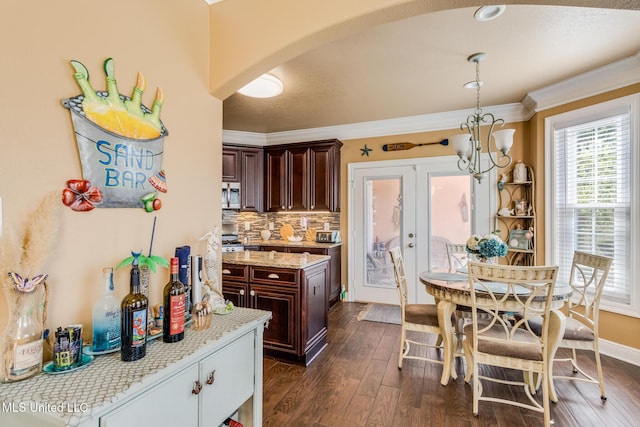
<point x="451" y="290"/>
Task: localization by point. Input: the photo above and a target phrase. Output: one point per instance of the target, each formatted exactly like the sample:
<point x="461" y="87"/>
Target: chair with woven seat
<point x="415" y="317"/>
<point x="587" y="279"/>
<point x="492" y="339"/>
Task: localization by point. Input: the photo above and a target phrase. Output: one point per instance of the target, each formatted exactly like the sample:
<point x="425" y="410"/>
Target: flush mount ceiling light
<point x="265" y="86"/>
<point x="469" y="145"/>
<point x="488" y="13"/>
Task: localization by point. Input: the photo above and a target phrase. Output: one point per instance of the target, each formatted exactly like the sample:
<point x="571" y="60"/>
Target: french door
<point x="418" y="205"/>
<point x="384" y="218"/>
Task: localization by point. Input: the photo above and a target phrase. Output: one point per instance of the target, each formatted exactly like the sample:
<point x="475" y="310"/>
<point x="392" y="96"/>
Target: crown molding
<point x="244" y="138"/>
<point x="604" y="79"/>
<point x="400" y="126"/>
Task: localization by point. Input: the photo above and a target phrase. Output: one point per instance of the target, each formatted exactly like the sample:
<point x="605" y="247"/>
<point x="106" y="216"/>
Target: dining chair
<point x="457" y="256"/>
<point x="498" y="340"/>
<point x="587" y="279"/>
<point x="415" y="317"/>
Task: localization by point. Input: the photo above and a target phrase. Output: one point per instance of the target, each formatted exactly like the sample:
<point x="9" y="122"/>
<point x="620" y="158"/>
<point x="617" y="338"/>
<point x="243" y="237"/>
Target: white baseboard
<point x="621" y="352"/>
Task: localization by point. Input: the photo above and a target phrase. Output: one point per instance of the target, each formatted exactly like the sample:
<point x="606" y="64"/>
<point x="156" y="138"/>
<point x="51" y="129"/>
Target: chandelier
<point x="468" y="146"/>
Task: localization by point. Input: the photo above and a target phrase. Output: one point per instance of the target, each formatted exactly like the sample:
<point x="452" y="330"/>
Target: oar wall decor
<point x="398" y="146"/>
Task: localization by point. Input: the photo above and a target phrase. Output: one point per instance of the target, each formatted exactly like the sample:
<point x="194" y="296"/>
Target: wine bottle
<point x="173" y="302"/>
<point x="232" y="423"/>
<point x="134" y="320"/>
<point x="106" y="316"/>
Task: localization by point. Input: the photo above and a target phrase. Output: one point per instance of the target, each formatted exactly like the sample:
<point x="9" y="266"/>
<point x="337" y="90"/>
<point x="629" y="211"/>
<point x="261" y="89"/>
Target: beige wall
<point x="166" y="40"/>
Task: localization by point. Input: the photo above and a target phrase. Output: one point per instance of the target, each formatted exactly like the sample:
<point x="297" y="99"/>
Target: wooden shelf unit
<point x="509" y="194"/>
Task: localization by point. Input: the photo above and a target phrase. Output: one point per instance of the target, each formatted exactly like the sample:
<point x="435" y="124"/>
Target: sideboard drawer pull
<point x="226" y="271"/>
<point x="273" y="276"/>
<point x="197" y="388"/>
<point x="211" y="377"/>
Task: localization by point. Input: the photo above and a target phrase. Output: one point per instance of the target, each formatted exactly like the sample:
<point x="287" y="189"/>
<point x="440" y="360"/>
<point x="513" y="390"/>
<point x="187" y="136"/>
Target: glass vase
<point x="21" y="344"/>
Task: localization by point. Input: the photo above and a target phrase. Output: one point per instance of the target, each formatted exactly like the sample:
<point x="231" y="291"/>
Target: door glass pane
<point x="450" y="216"/>
<point x="382" y="231"/>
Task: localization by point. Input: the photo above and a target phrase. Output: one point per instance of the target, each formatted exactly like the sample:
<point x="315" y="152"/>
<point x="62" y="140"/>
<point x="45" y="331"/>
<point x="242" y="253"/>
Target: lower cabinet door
<point x="227" y="378"/>
<point x="283" y="331"/>
<point x="171" y="403"/>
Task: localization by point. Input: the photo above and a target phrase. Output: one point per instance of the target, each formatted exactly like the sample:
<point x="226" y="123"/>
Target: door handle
<point x="197" y="388"/>
<point x="410" y="245"/>
<point x="211" y="378"/>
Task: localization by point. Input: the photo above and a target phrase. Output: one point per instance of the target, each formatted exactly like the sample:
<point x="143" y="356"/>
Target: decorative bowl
<point x="295" y="238"/>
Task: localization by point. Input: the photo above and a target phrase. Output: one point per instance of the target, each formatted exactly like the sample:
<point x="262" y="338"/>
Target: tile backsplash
<point x="260" y="221"/>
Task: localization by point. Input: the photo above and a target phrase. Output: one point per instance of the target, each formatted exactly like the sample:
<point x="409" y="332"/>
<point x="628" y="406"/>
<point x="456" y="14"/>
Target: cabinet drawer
<point x="231" y="373"/>
<point x="274" y="276"/>
<point x="239" y="273"/>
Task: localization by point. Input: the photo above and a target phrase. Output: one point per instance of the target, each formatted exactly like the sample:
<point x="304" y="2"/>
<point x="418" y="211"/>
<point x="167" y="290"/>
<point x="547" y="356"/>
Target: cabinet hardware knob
<point x="226" y="271"/>
<point x="241" y="291"/>
<point x="197" y="388"/>
<point x="211" y="377"/>
<point x="252" y="293"/>
<point x="289" y="206"/>
<point x="273" y="276"/>
<point x="313" y="207"/>
<point x="283" y="207"/>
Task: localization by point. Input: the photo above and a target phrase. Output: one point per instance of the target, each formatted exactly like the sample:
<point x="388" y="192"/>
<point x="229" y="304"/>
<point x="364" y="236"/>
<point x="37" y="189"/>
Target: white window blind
<point x="593" y="198"/>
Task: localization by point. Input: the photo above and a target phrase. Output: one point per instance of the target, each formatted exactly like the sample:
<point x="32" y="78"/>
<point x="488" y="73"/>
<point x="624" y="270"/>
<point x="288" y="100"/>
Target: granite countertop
<point x="273" y="259"/>
<point x="302" y="244"/>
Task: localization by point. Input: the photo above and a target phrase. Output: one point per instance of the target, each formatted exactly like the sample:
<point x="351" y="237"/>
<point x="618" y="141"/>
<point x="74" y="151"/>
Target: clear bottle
<point x="106" y="316"/>
<point x="22" y="343"/>
<point x="134" y="320"/>
<point x="174" y="306"/>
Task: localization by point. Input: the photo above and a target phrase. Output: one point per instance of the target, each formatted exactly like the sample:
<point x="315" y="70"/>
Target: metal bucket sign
<point x="120" y="167"/>
<point x="120" y="142"/>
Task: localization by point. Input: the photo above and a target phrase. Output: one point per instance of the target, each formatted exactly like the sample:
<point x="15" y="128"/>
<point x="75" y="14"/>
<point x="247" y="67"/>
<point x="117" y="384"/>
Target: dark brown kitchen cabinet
<point x="296" y="298"/>
<point x="245" y="165"/>
<point x="335" y="267"/>
<point x="303" y="176"/>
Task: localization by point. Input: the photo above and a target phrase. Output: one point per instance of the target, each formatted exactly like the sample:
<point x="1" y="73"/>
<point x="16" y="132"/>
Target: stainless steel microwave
<point x="230" y="195"/>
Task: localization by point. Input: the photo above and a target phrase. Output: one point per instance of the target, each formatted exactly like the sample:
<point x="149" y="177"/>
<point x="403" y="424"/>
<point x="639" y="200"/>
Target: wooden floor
<point x="355" y="381"/>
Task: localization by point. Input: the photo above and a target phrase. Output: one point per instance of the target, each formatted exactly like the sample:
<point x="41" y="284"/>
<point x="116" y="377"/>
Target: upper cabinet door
<point x="298" y="178"/>
<point x="323" y="186"/>
<point x="230" y="164"/>
<point x="251" y="179"/>
<point x="276" y="180"/>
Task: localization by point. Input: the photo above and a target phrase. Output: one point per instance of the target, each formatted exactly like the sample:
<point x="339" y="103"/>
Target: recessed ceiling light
<point x="265" y="86"/>
<point x="488" y="13"/>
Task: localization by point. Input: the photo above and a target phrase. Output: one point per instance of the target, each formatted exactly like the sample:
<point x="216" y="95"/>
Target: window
<point x="592" y="194"/>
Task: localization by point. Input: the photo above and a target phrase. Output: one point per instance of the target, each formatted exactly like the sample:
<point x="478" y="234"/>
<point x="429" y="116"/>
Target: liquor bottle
<point x="232" y="423"/>
<point x="106" y="316"/>
<point x="134" y="320"/>
<point x="173" y="302"/>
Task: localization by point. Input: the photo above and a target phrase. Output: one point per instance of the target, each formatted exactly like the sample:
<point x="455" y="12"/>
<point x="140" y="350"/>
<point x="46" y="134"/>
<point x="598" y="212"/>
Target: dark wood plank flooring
<point x="355" y="381"/>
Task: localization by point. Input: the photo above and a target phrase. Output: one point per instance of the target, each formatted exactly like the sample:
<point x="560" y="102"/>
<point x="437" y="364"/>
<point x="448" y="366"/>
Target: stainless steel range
<point x="230" y="240"/>
<point x="232" y="246"/>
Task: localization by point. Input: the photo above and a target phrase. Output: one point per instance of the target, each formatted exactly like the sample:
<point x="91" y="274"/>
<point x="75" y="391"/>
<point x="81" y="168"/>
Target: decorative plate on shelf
<point x="88" y="349"/>
<point x="286" y="231"/>
<point x="50" y="368"/>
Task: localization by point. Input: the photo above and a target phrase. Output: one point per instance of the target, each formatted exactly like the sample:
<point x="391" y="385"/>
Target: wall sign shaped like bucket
<point x="120" y="141"/>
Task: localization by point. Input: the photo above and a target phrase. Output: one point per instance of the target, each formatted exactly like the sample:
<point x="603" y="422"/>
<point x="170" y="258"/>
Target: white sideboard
<point x="199" y="381"/>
